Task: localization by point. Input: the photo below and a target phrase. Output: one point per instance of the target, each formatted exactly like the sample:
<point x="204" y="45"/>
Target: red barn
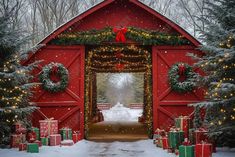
<point x="114" y="36"/>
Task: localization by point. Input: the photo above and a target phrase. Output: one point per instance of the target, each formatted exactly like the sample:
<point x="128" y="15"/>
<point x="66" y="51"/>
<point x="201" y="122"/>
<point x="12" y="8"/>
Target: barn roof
<point x="100" y="5"/>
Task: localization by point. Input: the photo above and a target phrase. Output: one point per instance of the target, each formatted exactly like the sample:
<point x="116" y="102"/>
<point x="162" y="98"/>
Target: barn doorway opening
<point x="102" y="121"/>
<point x="120" y="97"/>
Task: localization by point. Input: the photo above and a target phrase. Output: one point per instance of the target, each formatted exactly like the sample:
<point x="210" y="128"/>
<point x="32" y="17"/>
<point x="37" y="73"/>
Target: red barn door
<point x="68" y="106"/>
<point x="168" y="104"/>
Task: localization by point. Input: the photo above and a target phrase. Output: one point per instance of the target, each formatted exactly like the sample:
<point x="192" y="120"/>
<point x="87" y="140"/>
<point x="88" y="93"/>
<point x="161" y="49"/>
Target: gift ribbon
<point x="120" y="34"/>
<point x="203" y="150"/>
<point x="181" y="123"/>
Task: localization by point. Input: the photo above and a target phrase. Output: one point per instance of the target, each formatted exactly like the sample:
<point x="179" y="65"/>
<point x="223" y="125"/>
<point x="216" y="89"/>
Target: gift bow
<point x="181" y="69"/>
<point x="186" y="143"/>
<point x="120" y="34"/>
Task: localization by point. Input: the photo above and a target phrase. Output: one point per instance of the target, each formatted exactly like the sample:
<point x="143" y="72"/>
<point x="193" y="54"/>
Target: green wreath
<point x="60" y="71"/>
<point x="174" y="74"/>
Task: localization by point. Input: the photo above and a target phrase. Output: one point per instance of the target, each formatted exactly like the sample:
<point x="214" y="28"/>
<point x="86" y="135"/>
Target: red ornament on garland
<point x="181" y="69"/>
<point x="120" y="34"/>
<point x="118" y="55"/>
<point x="119" y="66"/>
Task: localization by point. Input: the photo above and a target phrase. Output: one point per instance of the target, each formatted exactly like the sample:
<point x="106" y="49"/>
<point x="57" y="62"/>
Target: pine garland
<point x="96" y="37"/>
<point x="48" y="84"/>
<point x="184" y="86"/>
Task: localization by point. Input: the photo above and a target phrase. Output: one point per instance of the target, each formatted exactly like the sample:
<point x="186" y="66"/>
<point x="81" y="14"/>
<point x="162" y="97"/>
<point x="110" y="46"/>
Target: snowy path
<point x="85" y="148"/>
<point x="121" y="113"/>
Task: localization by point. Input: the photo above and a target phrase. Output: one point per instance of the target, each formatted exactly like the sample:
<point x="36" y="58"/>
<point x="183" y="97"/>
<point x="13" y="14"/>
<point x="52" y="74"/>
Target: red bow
<point x="54" y="70"/>
<point x="120" y="34"/>
<point x="119" y="66"/>
<point x="181" y="69"/>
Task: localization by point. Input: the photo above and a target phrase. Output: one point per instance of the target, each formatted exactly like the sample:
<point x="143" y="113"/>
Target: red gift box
<point x="16" y="139"/>
<point x="38" y="142"/>
<point x="19" y="128"/>
<point x="55" y="140"/>
<point x="22" y="146"/>
<point x="203" y="150"/>
<point x="48" y="127"/>
<point x="165" y="144"/>
<point x="77" y="137"/>
<point x="66" y="143"/>
<point x="31" y="137"/>
<point x="200" y="135"/>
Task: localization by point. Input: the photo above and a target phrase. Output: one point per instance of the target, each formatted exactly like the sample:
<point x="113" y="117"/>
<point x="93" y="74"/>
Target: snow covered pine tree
<point x="219" y="66"/>
<point x="15" y="79"/>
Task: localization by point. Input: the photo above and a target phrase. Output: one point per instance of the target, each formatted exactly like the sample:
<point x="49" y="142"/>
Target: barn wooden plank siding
<point x="68" y="106"/>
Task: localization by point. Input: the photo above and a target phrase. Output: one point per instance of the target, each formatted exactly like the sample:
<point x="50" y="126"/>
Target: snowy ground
<point x="144" y="148"/>
<point x="121" y="113"/>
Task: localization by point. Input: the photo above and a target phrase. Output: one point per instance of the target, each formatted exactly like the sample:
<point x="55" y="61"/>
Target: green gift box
<point x="183" y="123"/>
<point x="36" y="130"/>
<point x="32" y="148"/>
<point x="175" y="138"/>
<point x="186" y="151"/>
<point x="45" y="141"/>
<point x="66" y="133"/>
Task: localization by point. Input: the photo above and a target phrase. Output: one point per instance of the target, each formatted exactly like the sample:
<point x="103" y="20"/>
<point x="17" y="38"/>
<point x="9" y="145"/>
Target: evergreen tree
<point x="197" y="121"/>
<point x="15" y="79"/>
<point x="218" y="63"/>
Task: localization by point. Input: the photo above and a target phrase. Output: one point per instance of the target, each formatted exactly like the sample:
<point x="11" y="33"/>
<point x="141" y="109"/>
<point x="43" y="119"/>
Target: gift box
<point x="186" y="151"/>
<point x="159" y="142"/>
<point x="19" y="128"/>
<point x="66" y="143"/>
<point x="37" y="132"/>
<point x="175" y="138"/>
<point x="32" y="148"/>
<point x="22" y="146"/>
<point x="158" y="132"/>
<point x="31" y="137"/>
<point x="183" y="122"/>
<point x="55" y="140"/>
<point x="66" y="133"/>
<point x="45" y="141"/>
<point x="77" y="137"/>
<point x="203" y="150"/>
<point x="38" y="142"/>
<point x="16" y="139"/>
<point x="200" y="135"/>
<point x="48" y="127"/>
<point x="165" y="144"/>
